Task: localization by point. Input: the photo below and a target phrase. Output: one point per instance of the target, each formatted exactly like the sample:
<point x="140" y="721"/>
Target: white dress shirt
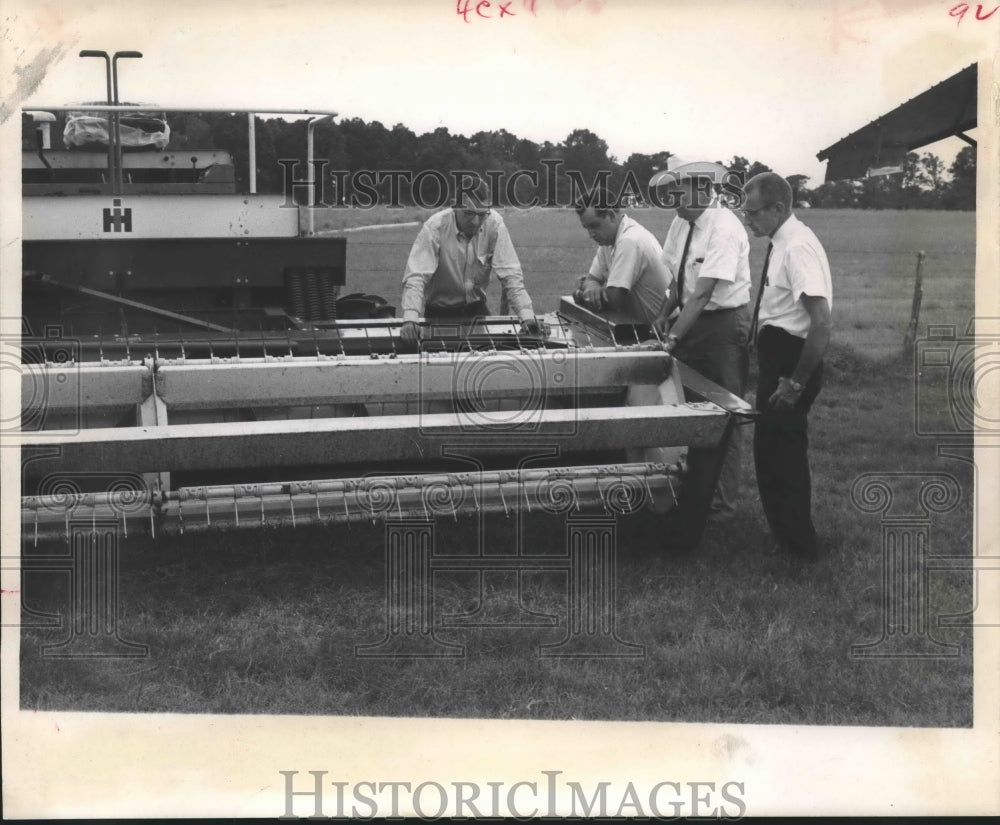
<point x="798" y="266"/>
<point x="719" y="249"/>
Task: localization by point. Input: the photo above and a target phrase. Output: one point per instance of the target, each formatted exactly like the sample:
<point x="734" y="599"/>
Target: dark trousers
<point x="781" y="443"/>
<point x="473" y="310"/>
<point x="717" y="347"/>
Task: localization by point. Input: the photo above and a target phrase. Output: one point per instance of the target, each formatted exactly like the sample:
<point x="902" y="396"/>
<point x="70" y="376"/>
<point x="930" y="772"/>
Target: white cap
<point x="678" y="169"/>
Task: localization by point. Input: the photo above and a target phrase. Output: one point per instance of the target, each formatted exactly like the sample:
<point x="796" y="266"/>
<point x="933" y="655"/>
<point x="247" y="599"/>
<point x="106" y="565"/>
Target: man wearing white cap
<point x="705" y="316"/>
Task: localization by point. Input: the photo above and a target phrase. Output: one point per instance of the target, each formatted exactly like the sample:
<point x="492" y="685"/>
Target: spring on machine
<point x="329" y="292"/>
<point x="296" y="293"/>
<point x="314" y="311"/>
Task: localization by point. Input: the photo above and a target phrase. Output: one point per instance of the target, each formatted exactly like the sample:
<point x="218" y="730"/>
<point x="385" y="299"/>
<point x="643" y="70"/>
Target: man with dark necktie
<point x="705" y="317"/>
<point x="792" y="330"/>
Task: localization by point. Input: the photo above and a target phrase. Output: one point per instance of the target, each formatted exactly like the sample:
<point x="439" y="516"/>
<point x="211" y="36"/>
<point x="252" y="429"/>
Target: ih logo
<point x="117" y="219"/>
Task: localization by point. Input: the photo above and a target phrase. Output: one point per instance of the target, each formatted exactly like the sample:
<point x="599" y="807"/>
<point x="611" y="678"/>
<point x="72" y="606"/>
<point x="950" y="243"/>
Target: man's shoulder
<point x="725" y="221"/>
<point x="801" y="235"/>
<point x="438" y="218"/>
<point x="634" y="232"/>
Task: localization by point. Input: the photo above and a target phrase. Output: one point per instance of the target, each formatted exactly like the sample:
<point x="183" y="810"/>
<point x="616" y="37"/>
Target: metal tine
<point x="475" y="500"/>
<point x="152" y="524"/>
<point x="319" y="515"/>
<point x="656" y="334"/>
<point x="263" y="341"/>
<point x="576" y="495"/>
<point x="100" y="342"/>
<point x="392" y="341"/>
<point x="527" y="498"/>
<point x="128" y="349"/>
<point x="340" y="339"/>
<point x="611" y="334"/>
<point x="399" y="509"/>
<point x="493" y="344"/>
<point x="180" y="514"/>
<point x="347" y="511"/>
<point x="368" y="340"/>
<point x="236" y="330"/>
<point x="673" y="494"/>
<point x="635" y="332"/>
<point x="36" y="525"/>
<point x="236" y="508"/>
<point x="503" y="498"/>
<point x="291" y="505"/>
<point x="67" y="526"/>
<point x="260" y="495"/>
<point x="423" y="503"/>
<point x="288" y="335"/>
<point x="180" y="333"/>
<point x="211" y="351"/>
<point x="315" y="343"/>
<point x="451" y="498"/>
<point x="156" y="344"/>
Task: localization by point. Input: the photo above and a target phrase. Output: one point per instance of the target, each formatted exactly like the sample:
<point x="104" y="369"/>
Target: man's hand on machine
<point x="410" y="331"/>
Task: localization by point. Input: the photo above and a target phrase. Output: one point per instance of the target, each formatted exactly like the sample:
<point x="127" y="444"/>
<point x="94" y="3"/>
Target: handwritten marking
<point x="469" y="10"/>
<point x="463" y="8"/>
<point x="962" y="9"/>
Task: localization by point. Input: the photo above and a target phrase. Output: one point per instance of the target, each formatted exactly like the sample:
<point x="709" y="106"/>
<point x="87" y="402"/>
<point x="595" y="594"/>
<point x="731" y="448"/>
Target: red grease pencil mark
<point x="963" y="9"/>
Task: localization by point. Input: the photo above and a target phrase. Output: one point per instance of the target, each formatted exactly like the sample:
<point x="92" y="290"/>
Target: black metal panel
<point x="183" y="264"/>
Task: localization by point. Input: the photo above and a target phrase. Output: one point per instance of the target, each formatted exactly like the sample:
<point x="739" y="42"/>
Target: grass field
<point x="267" y="621"/>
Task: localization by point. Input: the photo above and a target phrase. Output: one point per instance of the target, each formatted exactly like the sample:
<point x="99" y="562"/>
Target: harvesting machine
<point x="189" y="363"/>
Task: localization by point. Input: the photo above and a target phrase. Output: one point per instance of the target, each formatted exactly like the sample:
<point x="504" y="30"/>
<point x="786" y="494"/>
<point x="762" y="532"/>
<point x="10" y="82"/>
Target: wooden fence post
<point x="918" y="296"/>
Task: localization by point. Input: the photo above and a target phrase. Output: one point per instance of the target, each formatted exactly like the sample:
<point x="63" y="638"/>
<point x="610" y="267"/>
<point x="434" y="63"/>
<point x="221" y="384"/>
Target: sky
<point x="772" y="81"/>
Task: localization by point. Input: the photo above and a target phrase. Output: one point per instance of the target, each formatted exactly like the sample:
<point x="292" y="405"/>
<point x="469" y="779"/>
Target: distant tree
<point x="798" y="184"/>
<point x="961" y="191"/>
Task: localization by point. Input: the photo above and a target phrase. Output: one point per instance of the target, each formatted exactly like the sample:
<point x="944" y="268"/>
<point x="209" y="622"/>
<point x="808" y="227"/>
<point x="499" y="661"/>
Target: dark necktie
<point x="680" y="270"/>
<point x="760" y="294"/>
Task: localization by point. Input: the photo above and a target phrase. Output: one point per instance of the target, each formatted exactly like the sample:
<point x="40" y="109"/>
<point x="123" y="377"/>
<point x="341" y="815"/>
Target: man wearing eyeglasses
<point x="792" y="333"/>
<point x="705" y="317"/>
<point x="449" y="267"/>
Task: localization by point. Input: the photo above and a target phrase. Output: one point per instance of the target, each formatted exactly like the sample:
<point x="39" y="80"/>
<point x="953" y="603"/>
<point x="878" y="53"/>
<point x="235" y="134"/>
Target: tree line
<point x="352" y="144"/>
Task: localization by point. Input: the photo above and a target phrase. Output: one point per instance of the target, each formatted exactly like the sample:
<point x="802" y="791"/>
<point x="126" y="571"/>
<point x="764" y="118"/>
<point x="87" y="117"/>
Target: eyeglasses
<point x="751" y="212"/>
<point x="476" y="213"/>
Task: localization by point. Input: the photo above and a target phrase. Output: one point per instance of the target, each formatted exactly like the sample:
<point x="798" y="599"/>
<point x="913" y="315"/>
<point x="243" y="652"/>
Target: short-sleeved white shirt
<point x="634" y="263"/>
<point x="798" y="266"/>
<point x="720" y="249"/>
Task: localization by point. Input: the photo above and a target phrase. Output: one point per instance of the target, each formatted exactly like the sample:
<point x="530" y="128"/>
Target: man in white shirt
<point x="627" y="273"/>
<point x="792" y="333"/>
<point x="707" y="257"/>
<point x="449" y="267"/>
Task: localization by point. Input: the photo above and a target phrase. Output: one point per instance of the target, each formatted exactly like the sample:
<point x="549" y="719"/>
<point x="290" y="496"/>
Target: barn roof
<point x="944" y="110"/>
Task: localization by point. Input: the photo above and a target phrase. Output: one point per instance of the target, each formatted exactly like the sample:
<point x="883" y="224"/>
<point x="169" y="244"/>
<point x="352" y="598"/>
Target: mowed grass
<point x="268" y="621"/>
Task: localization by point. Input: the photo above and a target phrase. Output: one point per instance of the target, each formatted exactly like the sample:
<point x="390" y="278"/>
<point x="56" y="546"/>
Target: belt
<point x="722" y="309"/>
